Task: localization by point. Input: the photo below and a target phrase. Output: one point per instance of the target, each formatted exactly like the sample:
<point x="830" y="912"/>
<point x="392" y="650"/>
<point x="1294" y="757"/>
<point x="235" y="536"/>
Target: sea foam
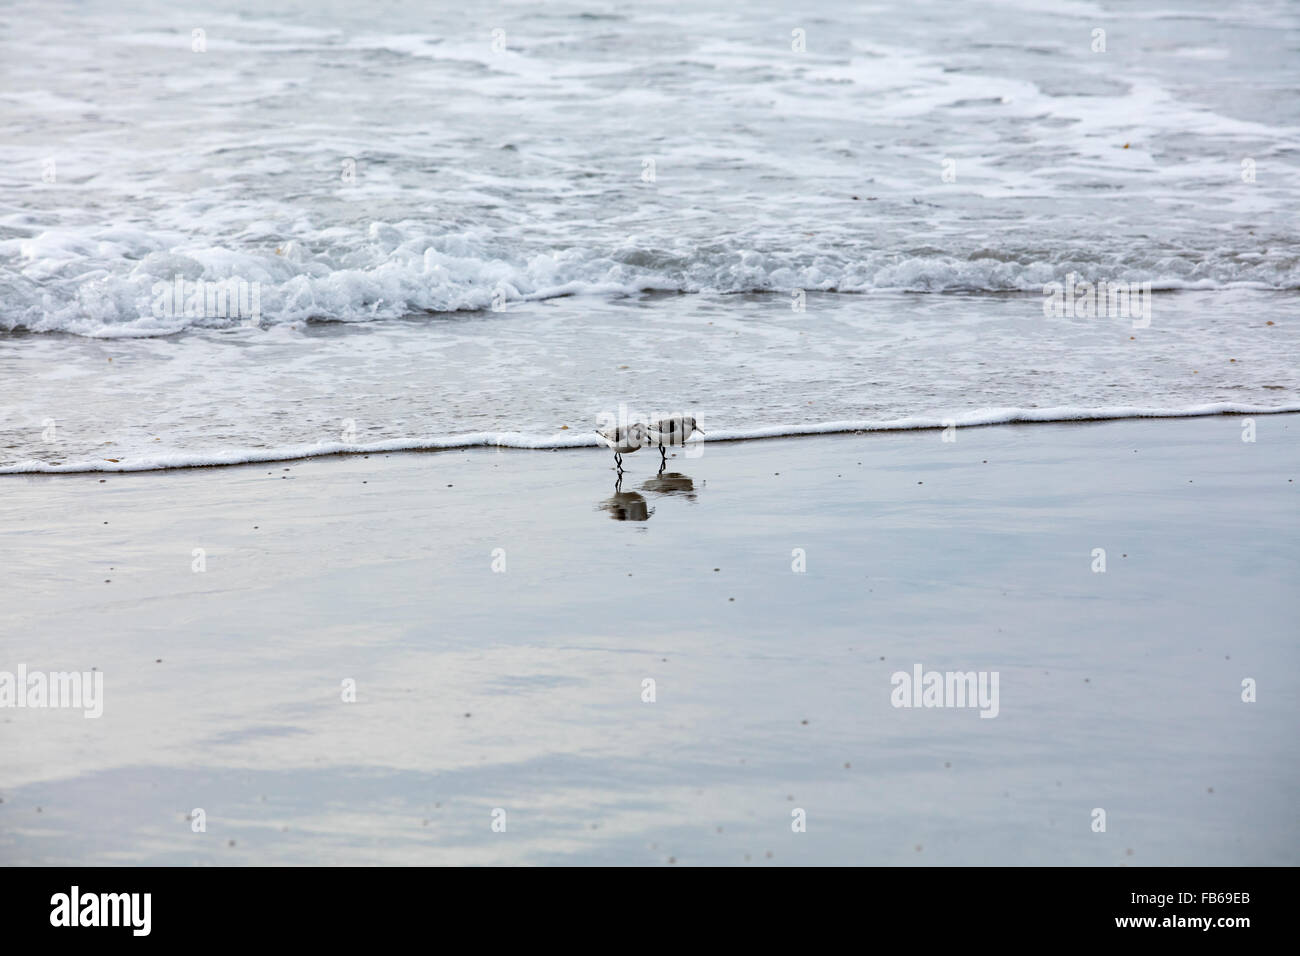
<point x="519" y="440"/>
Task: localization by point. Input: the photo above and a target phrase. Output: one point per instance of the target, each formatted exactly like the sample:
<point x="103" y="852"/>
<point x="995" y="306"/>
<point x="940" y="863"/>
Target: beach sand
<point x="521" y="689"/>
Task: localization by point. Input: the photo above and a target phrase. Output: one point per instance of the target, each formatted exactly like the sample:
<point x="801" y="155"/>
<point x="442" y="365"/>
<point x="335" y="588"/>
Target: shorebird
<point x="673" y="431"/>
<point x="625" y="440"/>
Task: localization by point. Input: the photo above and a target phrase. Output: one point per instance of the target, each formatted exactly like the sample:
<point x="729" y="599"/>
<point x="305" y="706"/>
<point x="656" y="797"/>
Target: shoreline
<point x="981" y="418"/>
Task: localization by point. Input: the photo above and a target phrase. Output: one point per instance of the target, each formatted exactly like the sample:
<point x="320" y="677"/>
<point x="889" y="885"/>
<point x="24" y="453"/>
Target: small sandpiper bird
<point x="625" y="440"/>
<point x="673" y="431"/>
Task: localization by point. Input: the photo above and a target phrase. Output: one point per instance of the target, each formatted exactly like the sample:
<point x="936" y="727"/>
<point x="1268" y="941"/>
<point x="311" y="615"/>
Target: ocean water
<point x="496" y="226"/>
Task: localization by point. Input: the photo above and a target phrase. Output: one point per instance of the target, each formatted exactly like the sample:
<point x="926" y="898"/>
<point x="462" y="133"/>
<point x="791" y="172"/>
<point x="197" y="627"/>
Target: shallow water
<point x="478" y="177"/>
<point x="541" y="374"/>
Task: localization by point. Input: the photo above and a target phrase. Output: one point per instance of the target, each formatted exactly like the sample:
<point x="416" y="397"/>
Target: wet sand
<point x="521" y="689"/>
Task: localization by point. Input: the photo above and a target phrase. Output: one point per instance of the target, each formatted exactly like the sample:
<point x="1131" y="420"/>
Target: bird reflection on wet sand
<point x="670" y="483"/>
<point x="632" y="506"/>
<point x="626" y="505"/>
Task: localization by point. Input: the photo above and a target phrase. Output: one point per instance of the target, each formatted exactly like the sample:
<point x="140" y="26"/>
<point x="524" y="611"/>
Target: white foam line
<point x="980" y="417"/>
<point x="246" y="456"/>
<point x="1002" y="416"/>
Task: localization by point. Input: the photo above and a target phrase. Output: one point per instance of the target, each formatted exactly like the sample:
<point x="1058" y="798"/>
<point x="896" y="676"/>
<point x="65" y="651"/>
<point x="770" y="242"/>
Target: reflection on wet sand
<point x="632" y="506"/>
<point x="670" y="483"/>
<point x="626" y="505"/>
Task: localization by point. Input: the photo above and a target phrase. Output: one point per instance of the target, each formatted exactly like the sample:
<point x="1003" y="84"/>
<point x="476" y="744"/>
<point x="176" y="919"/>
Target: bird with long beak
<point x="673" y="431"/>
<point x="625" y="440"/>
